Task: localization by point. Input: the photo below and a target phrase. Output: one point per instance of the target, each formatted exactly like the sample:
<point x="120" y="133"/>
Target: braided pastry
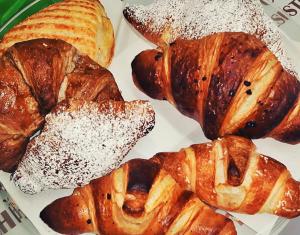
<point x="139" y="198"/>
<point x="229" y="174"/>
<point x="35" y="75"/>
<point x="230" y="83"/>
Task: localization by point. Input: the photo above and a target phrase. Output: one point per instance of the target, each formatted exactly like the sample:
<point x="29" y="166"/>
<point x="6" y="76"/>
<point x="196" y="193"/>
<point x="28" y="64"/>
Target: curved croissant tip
<point x="147" y="71"/>
<point x="229" y="228"/>
<point x="48" y="216"/>
<point x="44" y="215"/>
<point x="26" y="183"/>
<point x="145" y="111"/>
<point x="128" y="13"/>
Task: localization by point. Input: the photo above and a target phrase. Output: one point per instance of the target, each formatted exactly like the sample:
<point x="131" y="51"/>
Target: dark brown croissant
<point x="229" y="174"/>
<point x="34" y="76"/>
<point x="139" y="198"/>
<point x="230" y="83"/>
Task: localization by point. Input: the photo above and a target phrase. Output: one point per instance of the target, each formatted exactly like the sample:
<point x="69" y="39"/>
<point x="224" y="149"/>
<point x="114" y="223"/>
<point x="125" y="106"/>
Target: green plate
<point x="14" y="11"/>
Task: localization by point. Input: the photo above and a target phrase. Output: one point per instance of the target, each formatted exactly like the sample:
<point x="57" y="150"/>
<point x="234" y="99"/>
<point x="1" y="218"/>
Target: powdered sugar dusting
<point x="79" y="145"/>
<point x="192" y="19"/>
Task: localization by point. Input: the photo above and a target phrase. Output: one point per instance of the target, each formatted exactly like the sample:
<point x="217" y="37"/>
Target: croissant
<point x="82" y="141"/>
<point x="229" y="174"/>
<point x="138" y="198"/>
<point x="230" y="83"/>
<point x="35" y="75"/>
<point x="82" y="23"/>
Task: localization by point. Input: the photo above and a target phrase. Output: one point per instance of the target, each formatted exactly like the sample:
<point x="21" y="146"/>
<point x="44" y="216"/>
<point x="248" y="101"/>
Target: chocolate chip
<point x="251" y="124"/>
<point x="158" y="56"/>
<point x="108" y="196"/>
<point x="204" y="78"/>
<point x="231" y="93"/>
<point x="247" y="83"/>
<point x="249" y="92"/>
<point x="56" y="171"/>
<point x="89" y="221"/>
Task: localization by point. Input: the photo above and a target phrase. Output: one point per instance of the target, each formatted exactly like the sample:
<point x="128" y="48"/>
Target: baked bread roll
<point x="36" y="75"/>
<point x="231" y="83"/>
<point x="82" y="141"/>
<point x="229" y="174"/>
<point x="82" y="23"/>
<point x="139" y="198"/>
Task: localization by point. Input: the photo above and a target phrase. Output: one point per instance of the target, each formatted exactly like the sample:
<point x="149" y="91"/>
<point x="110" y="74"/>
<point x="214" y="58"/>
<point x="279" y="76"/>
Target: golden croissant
<point x="34" y="76"/>
<point x="229" y="174"/>
<point x="231" y="83"/>
<point x="139" y="198"/>
<point x="82" y="23"/>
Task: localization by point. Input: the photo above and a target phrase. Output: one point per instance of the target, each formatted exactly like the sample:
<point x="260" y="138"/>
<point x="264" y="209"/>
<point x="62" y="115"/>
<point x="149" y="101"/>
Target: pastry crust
<point x="82" y="23"/>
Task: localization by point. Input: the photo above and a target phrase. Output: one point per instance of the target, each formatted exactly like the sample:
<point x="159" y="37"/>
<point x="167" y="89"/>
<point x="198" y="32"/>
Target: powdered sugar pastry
<point x="81" y="144"/>
<point x="192" y="19"/>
